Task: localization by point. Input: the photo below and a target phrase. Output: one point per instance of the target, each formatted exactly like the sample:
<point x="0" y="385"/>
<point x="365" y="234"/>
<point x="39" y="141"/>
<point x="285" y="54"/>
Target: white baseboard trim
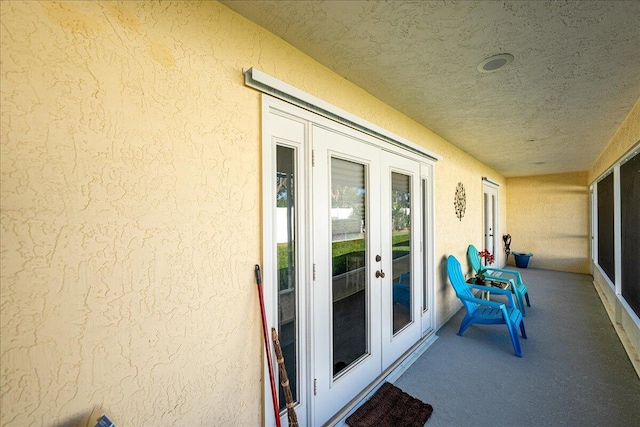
<point x="622" y="334"/>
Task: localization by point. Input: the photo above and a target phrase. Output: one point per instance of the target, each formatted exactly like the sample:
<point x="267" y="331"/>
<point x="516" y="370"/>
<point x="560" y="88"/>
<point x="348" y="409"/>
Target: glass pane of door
<point x="488" y="230"/>
<point x="348" y="259"/>
<point x="491" y="218"/>
<point x="401" y="250"/>
<point x="425" y="239"/>
<point x="287" y="273"/>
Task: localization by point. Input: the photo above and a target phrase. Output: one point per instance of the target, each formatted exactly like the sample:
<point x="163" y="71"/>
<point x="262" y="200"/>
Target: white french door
<point x="347" y="256"/>
<point x="490" y="203"/>
<point x="368" y="274"/>
<point x="400" y="236"/>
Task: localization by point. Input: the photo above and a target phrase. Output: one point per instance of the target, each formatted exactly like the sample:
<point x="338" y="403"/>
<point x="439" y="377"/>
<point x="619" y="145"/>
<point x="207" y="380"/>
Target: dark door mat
<point x="391" y="407"/>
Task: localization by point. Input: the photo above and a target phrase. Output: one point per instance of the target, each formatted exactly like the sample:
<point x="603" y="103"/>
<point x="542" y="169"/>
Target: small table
<point x="491" y="283"/>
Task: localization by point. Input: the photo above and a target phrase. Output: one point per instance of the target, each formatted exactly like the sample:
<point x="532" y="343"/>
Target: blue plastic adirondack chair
<point x="402" y="290"/>
<point x="518" y="288"/>
<point x="484" y="311"/>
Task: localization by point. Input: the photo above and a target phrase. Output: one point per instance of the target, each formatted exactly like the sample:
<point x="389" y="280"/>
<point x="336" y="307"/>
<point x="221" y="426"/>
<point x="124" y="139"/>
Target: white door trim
<point x="491" y="221"/>
<point x="282" y="127"/>
<point x="428" y="239"/>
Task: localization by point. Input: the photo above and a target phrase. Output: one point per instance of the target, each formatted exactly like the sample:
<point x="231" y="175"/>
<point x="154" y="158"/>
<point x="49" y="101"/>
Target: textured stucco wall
<point x="548" y="215"/>
<point x="123" y="216"/>
<point x="131" y="211"/>
<point x="453" y="236"/>
<point x="625" y="137"/>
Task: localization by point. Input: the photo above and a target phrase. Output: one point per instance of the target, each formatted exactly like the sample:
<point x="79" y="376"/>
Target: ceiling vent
<point x="495" y="62"/>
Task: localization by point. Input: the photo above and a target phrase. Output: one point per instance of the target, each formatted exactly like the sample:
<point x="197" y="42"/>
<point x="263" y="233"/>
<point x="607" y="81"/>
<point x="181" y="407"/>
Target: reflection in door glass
<point x="348" y="262"/>
<point x="286" y="238"/>
<point x="401" y="247"/>
<point x="423" y="256"/>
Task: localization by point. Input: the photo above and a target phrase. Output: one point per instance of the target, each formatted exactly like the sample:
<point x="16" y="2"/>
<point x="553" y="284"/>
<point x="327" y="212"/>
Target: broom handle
<point x="267" y="347"/>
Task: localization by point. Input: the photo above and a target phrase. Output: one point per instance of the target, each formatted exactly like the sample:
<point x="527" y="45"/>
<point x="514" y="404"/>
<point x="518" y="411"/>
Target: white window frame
<point x="616" y="219"/>
<point x="616" y="285"/>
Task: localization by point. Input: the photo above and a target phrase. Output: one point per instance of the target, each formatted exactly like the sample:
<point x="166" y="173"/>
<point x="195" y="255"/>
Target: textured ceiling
<point x="574" y="79"/>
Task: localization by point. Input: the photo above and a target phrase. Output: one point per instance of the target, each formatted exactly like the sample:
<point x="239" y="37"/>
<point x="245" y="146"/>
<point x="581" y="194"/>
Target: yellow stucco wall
<point x="131" y="209"/>
<point x="548" y="215"/>
<point x="625" y="137"/>
<point x="123" y="216"/>
<point x="453" y="236"/>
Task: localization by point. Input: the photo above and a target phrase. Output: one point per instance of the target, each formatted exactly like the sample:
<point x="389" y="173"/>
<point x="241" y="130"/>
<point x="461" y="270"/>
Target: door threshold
<point x="391" y="374"/>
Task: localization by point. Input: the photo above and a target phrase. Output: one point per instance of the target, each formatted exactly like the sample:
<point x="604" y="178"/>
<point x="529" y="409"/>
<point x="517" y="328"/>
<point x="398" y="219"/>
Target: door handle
<point x="379" y="274"/>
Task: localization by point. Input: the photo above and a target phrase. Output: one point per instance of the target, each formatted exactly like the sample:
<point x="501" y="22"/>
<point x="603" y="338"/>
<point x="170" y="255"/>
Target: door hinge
<point x="314" y="272"/>
<point x="315" y="387"/>
<point x="313" y="158"/>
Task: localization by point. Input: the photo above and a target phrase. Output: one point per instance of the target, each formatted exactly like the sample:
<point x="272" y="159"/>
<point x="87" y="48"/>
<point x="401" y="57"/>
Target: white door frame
<point x="491" y="220"/>
<point x="282" y="126"/>
<point x="427" y="246"/>
<point x="274" y="110"/>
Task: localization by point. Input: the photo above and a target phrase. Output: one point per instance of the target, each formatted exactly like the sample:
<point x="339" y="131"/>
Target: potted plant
<point x="522" y="260"/>
<point x="488" y="259"/>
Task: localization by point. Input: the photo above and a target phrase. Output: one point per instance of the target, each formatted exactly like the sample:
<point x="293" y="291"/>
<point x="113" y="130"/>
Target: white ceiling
<point x="574" y="79"/>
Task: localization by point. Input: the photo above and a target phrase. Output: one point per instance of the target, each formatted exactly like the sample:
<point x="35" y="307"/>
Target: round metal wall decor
<point x="460" y="201"/>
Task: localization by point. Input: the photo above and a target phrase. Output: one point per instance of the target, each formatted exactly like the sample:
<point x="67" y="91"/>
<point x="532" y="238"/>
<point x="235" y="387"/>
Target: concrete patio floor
<point x="574" y="370"/>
